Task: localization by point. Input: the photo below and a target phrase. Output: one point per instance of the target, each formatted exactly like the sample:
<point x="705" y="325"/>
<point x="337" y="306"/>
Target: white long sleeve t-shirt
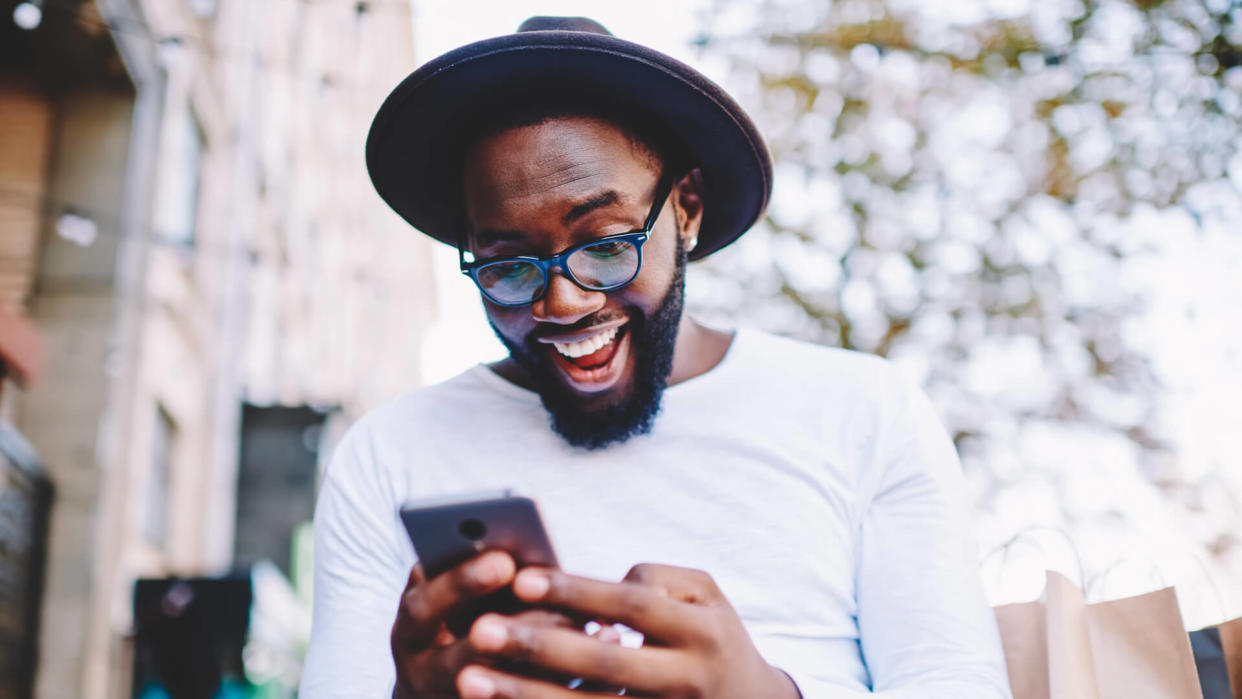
<point x="814" y="484"/>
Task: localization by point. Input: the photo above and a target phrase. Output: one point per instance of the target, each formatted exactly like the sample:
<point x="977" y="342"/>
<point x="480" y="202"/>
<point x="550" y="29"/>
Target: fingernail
<point x="489" y="634"/>
<point x="476" y="685"/>
<point x="532" y="585"/>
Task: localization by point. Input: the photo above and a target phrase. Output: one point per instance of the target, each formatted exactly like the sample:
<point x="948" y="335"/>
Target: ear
<point x="688" y="205"/>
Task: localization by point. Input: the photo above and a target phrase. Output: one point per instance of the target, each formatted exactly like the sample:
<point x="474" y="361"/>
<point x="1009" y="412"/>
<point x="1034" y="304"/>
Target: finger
<point x="441" y="667"/>
<point x="434" y="672"/>
<point x="477" y="682"/>
<point x="641" y="607"/>
<point x="425" y="607"/>
<point x="536" y="618"/>
<point x="609" y="635"/>
<point x="684" y="584"/>
<point x="445" y="665"/>
<point x="545" y="617"/>
<point x="574" y="654"/>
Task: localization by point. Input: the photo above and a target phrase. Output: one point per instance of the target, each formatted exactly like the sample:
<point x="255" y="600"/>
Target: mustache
<point x="550" y="330"/>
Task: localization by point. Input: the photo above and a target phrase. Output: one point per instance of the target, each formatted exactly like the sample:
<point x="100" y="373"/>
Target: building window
<point x="178" y="211"/>
<point x="163" y="438"/>
<point x="275" y="481"/>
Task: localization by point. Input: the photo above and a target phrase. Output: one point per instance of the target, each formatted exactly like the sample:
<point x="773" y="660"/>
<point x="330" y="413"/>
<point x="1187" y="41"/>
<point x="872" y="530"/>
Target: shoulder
<point x="839" y="373"/>
<point x="870" y="413"/>
<point x="859" y="402"/>
<point x="393" y="431"/>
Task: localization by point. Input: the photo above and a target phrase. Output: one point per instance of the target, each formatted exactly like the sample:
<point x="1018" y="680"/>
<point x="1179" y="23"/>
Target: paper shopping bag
<point x="1231" y="643"/>
<point x="1024" y="636"/>
<point x="1064" y="648"/>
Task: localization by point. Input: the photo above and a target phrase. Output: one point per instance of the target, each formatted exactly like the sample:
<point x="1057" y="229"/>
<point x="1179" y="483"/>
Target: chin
<point x="606" y="399"/>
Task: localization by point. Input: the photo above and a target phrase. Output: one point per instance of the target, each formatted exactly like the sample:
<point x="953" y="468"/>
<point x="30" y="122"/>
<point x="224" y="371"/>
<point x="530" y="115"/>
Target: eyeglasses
<point x="605" y="264"/>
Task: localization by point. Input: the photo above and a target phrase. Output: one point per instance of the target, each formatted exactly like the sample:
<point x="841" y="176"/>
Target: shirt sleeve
<point x="925" y="627"/>
<point x="360" y="573"/>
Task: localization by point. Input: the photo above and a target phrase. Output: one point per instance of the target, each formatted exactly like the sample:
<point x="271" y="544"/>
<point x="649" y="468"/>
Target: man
<point x="776" y="519"/>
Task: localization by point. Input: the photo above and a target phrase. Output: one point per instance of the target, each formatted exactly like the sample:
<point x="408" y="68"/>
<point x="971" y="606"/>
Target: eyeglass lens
<point x="605" y="264"/>
<point x="511" y="282"/>
<point x="600" y="267"/>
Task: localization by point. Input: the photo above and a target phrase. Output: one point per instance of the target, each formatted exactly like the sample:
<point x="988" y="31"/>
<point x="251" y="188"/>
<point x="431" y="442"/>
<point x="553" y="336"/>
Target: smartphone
<point x="446" y="532"/>
<point x="449" y="531"/>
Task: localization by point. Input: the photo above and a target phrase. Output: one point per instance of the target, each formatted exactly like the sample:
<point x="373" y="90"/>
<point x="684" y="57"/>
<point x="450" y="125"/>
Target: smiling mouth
<point x="583" y="352"/>
<point x="593" y="363"/>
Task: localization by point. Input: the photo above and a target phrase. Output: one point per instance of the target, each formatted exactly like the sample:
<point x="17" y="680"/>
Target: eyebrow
<point x="488" y="236"/>
<point x="598" y="201"/>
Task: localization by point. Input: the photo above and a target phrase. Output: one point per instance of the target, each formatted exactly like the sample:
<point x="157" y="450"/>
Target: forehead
<point x="564" y="157"/>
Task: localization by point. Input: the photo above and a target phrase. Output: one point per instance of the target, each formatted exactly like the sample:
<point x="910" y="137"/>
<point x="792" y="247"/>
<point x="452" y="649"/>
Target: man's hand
<point x="695" y="643"/>
<point x="428" y="656"/>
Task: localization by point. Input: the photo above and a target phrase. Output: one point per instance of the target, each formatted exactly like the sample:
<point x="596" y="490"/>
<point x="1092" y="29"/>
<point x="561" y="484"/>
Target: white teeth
<point x="586" y="346"/>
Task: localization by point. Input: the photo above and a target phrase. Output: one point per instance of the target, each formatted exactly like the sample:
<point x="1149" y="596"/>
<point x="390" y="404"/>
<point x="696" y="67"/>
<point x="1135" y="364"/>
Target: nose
<point x="564" y="302"/>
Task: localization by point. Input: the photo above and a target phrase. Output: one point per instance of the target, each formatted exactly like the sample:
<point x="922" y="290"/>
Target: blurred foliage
<point x="959" y="182"/>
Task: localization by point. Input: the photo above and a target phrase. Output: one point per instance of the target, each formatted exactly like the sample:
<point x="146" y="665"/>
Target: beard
<point x="652" y="340"/>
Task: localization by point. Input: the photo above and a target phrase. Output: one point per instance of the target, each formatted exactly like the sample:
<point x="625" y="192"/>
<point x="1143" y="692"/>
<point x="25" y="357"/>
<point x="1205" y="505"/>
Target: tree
<point x="967" y="192"/>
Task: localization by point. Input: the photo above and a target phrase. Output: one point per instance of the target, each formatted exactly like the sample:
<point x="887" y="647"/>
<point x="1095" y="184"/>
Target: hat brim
<point x="416" y="174"/>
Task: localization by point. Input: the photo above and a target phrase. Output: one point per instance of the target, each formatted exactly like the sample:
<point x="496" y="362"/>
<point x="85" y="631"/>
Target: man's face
<point x="599" y="360"/>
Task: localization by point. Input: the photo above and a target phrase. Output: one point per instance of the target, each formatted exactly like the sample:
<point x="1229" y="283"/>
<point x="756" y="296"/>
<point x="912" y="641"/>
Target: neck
<point x="699" y="349"/>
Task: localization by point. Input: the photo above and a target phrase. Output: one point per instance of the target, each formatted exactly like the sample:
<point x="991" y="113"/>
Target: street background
<point x="1032" y="208"/>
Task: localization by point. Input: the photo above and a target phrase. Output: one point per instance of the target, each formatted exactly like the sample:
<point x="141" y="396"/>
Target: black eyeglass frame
<point x="561" y="260"/>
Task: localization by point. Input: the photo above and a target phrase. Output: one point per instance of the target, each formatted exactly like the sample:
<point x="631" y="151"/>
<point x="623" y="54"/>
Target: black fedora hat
<point x="414" y="161"/>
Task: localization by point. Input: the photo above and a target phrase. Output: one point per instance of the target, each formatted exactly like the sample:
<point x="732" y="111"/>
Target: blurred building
<point x="186" y="221"/>
<point x="25" y="495"/>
